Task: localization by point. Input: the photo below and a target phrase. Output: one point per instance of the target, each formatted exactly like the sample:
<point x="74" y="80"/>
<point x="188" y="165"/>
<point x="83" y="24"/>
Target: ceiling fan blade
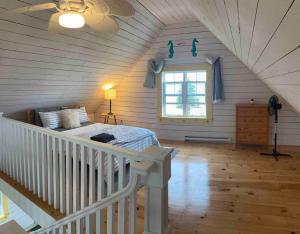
<point x="119" y="7"/>
<point x="101" y="22"/>
<point x="54" y="26"/>
<point x="38" y="7"/>
<point x="100" y="7"/>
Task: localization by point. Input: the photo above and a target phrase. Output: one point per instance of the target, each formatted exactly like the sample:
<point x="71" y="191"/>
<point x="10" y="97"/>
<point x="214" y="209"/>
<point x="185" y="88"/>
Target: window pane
<point x="191" y="76"/>
<point x="178" y="89"/>
<point x="173" y="89"/>
<point x="174" y="109"/>
<point x="173" y="77"/>
<point x="196" y="110"/>
<point x="196" y="99"/>
<point x="179" y="77"/>
<point x="196" y="76"/>
<point x="169" y="77"/>
<point x="196" y="88"/>
<point x="201" y="76"/>
<point x="170" y="88"/>
<point x="174" y="99"/>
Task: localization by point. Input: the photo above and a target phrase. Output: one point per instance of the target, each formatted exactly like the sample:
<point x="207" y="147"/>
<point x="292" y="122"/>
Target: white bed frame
<point x="60" y="170"/>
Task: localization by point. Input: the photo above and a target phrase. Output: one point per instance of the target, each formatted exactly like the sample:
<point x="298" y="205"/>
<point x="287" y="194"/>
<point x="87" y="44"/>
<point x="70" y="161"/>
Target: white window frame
<point x="162" y="96"/>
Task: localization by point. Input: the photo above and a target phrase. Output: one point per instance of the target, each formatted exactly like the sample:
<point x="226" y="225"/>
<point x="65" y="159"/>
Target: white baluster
<point x="90" y="221"/>
<point x="55" y="173"/>
<point x="16" y="154"/>
<point x="25" y="158"/>
<point x="83" y="177"/>
<point x="76" y="154"/>
<point x="121" y="204"/>
<point x="132" y="212"/>
<point x="100" y="193"/>
<point x="44" y="166"/>
<point x="75" y="177"/>
<point x="21" y="156"/>
<point x="68" y="179"/>
<point x="33" y="161"/>
<point x="50" y="169"/>
<point x="38" y="164"/>
<point x="29" y="162"/>
<point x="83" y="182"/>
<point x="69" y="228"/>
<point x="110" y="190"/>
<point x="62" y="168"/>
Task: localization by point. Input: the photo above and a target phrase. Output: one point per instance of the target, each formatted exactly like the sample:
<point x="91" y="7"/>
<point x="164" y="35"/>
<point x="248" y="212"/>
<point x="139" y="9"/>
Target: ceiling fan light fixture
<point x="71" y="20"/>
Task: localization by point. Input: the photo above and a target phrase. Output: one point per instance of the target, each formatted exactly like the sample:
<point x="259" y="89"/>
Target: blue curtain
<point x="218" y="88"/>
<point x="155" y="66"/>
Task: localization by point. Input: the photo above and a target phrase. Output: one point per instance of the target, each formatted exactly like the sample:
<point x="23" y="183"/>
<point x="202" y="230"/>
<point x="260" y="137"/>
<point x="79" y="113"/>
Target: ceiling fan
<point x="97" y="14"/>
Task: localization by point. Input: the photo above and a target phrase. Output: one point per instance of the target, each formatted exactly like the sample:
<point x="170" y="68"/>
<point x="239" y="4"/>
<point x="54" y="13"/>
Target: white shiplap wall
<point x="39" y="69"/>
<point x="137" y="105"/>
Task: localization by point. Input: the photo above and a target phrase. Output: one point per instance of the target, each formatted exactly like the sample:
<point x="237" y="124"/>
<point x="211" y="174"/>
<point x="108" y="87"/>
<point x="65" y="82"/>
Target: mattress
<point x="128" y="137"/>
<point x="132" y="138"/>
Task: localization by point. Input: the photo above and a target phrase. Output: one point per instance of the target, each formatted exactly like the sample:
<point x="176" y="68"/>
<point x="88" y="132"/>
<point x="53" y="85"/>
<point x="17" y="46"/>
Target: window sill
<point x="183" y="120"/>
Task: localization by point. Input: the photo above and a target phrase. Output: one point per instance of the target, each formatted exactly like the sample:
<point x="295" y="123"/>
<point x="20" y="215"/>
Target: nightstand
<point x="108" y="116"/>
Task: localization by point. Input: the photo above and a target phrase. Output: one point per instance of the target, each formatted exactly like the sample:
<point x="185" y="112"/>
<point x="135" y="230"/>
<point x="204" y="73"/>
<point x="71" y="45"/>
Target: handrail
<point x="104" y="203"/>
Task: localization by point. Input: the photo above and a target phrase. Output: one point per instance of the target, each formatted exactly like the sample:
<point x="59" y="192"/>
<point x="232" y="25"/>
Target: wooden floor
<point x="222" y="189"/>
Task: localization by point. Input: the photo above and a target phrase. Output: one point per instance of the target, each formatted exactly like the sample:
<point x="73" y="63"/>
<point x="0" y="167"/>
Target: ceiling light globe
<point x="71" y="20"/>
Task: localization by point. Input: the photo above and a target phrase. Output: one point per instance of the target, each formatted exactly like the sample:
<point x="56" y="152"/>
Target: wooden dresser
<point x="252" y="124"/>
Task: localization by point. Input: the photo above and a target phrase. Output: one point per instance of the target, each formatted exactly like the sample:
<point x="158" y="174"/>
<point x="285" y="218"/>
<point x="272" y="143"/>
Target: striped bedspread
<point x="132" y="138"/>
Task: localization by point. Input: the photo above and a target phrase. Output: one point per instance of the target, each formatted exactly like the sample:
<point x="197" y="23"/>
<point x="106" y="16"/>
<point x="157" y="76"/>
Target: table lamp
<point x="110" y="94"/>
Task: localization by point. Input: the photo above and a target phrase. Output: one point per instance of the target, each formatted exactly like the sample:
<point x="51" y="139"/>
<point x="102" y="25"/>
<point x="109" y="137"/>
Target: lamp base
<point x="110" y="113"/>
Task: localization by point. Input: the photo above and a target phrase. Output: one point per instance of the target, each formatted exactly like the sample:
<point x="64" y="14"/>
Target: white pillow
<point x="70" y="119"/>
<point x="51" y="119"/>
<point x="83" y="115"/>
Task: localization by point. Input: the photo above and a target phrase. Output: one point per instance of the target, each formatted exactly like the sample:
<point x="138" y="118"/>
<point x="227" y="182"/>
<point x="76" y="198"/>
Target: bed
<point x="132" y="138"/>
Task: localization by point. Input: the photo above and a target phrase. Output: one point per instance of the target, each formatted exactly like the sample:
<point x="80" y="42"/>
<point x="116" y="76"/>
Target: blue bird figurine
<point x="194" y="47"/>
<point x="171" y="49"/>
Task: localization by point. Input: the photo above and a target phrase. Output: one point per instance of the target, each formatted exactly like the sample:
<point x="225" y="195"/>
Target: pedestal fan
<point x="273" y="107"/>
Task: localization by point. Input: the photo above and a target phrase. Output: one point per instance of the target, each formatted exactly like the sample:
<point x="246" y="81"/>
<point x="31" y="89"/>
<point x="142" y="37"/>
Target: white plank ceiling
<point x="263" y="34"/>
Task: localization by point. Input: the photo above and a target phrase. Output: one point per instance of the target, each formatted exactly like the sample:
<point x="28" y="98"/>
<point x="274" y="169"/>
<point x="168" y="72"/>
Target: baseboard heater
<point x="207" y="139"/>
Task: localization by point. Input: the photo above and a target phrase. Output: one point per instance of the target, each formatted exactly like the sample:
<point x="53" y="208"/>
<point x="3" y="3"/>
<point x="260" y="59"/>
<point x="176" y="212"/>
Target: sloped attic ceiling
<point x="39" y="69"/>
<point x="263" y="34"/>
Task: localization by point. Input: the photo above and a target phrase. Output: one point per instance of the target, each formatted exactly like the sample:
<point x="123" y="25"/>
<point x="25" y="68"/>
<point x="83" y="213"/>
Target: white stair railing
<point x="71" y="173"/>
<point x="71" y="223"/>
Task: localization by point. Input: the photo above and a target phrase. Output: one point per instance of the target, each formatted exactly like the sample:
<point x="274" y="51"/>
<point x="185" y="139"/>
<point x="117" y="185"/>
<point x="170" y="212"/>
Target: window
<point x="185" y="93"/>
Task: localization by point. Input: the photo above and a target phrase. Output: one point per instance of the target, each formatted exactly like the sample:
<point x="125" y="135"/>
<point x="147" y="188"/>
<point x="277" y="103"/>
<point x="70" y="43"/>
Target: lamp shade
<point x="110" y="94"/>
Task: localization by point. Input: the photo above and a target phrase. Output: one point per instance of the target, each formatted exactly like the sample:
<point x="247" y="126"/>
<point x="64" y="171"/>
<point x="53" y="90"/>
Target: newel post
<point x="156" y="192"/>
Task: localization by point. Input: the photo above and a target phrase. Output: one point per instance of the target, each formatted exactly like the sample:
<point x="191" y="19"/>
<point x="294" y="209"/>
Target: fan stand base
<point x="275" y="154"/>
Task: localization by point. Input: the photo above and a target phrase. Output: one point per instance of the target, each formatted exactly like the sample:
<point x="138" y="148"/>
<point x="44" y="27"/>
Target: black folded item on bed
<point x="103" y="137"/>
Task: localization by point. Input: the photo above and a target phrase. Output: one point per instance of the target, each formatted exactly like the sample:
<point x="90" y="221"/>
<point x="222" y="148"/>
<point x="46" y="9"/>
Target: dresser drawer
<point x="253" y="120"/>
<point x="248" y="112"/>
<point x="253" y="139"/>
<point x="252" y="130"/>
